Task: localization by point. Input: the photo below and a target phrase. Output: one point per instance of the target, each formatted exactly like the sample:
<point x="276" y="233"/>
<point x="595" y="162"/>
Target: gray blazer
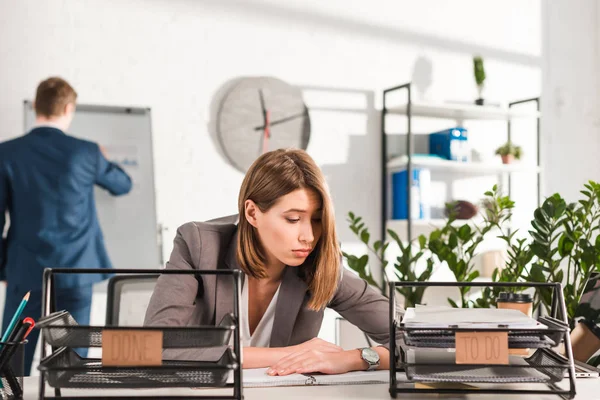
<point x="184" y="300"/>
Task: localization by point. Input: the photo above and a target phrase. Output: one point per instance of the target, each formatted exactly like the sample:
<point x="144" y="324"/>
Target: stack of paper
<point x="445" y="317"/>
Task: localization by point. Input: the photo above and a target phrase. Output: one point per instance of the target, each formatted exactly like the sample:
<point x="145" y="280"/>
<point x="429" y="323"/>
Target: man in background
<point x="47" y="183"/>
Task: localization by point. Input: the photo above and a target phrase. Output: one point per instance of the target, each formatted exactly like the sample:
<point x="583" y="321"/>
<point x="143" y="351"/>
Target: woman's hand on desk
<point x="307" y="361"/>
<point x="315" y="344"/>
<point x="260" y="357"/>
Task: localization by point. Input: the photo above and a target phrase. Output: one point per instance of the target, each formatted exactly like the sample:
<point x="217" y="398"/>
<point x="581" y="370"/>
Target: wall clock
<point x="260" y="114"/>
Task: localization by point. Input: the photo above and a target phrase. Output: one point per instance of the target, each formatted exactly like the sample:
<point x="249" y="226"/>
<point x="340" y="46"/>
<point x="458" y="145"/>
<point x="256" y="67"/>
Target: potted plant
<point x="567" y="250"/>
<point x="509" y="152"/>
<point x="479" y="73"/>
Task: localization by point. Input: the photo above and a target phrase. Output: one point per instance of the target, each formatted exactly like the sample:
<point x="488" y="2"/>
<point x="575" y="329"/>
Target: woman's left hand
<point x="317" y="361"/>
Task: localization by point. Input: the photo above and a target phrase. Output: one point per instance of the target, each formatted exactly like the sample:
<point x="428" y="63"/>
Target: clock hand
<point x="281" y="121"/>
<point x="262" y="105"/>
<point x="265" y="136"/>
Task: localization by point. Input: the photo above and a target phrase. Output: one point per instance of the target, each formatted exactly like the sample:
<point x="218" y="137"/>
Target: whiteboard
<point x="128" y="222"/>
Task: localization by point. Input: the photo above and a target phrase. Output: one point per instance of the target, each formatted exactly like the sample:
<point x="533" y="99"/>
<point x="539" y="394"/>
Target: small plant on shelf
<point x="479" y="73"/>
<point x="509" y="152"/>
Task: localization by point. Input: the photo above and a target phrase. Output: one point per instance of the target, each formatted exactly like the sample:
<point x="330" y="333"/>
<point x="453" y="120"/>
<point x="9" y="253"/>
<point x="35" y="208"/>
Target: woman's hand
<point x="257" y="357"/>
<point x="315" y="344"/>
<point x="318" y="361"/>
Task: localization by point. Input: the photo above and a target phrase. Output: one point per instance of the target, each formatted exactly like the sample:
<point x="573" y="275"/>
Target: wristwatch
<point x="371" y="357"/>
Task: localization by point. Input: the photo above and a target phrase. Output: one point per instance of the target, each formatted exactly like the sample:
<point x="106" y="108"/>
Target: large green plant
<point x="567" y="246"/>
<point x="454" y="245"/>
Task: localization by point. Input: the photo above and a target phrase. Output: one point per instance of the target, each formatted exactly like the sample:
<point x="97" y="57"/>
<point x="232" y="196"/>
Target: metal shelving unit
<point x="458" y="112"/>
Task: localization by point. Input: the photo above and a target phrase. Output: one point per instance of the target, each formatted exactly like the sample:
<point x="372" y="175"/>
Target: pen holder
<point x="12" y="360"/>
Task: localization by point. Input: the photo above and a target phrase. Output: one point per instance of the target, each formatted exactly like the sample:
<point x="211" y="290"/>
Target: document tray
<point x="65" y="369"/>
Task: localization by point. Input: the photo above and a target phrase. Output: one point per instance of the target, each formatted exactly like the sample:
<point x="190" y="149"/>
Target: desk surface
<point x="588" y="389"/>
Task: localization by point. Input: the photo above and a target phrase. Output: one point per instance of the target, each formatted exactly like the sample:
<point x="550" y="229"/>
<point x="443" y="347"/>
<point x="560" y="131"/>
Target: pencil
<point x="15" y="319"/>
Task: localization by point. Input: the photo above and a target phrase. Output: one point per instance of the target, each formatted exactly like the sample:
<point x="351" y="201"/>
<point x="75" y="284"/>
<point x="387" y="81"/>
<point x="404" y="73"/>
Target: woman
<point x="286" y="244"/>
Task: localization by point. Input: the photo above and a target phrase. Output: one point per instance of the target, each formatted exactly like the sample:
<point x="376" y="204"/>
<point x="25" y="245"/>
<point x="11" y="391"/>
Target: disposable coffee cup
<point x="516" y="301"/>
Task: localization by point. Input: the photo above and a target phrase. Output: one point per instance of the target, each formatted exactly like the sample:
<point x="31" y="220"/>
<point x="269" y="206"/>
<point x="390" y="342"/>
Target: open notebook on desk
<point x="258" y="378"/>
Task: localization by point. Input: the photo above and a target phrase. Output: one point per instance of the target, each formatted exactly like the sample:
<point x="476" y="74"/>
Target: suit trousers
<point x="77" y="301"/>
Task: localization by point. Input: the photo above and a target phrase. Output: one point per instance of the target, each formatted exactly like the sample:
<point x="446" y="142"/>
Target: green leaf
<point x="541" y="217"/>
<point x="362" y="261"/>
<point x="538" y="250"/>
<point x="453" y="241"/>
<point x="473" y="275"/>
<point x="559" y="276"/>
<point x="539" y="238"/>
<point x="422" y="241"/>
<point x="394" y="235"/>
<point x="364" y="236"/>
<point x="537" y="274"/>
<point x="565" y="245"/>
<point x="377" y="245"/>
<point x="452" y="303"/>
<point x="464" y="232"/>
<point x="435" y="235"/>
<point x="543" y="229"/>
<point x="549" y="207"/>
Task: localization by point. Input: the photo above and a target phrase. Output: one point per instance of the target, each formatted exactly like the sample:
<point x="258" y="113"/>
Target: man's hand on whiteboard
<point x="103" y="151"/>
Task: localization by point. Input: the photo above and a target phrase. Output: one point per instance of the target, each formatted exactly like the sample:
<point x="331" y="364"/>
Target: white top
<point x="262" y="333"/>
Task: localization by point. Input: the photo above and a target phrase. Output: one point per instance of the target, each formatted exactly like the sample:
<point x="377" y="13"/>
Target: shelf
<point x="472" y="168"/>
<point x="463" y="111"/>
<point x="399" y="225"/>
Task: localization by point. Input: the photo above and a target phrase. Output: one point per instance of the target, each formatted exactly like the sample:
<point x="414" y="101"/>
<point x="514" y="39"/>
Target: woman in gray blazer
<point x="286" y="244"/>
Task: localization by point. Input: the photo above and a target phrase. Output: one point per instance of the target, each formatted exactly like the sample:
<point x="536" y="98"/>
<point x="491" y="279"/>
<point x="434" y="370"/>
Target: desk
<point x="587" y="389"/>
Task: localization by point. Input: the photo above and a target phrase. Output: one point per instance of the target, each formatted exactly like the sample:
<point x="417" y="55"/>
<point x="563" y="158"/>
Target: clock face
<point x="253" y="104"/>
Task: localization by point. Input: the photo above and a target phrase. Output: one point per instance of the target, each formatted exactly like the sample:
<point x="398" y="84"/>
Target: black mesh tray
<point x="66" y="369"/>
<point x="544" y="366"/>
<point x="447" y="342"/>
<point x="517" y="339"/>
<point x="60" y="329"/>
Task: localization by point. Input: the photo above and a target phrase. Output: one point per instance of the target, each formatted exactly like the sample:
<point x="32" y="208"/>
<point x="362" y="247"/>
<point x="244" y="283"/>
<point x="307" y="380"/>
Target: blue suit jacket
<point x="47" y="183"/>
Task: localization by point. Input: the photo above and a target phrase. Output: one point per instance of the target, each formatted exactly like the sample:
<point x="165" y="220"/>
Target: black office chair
<point x="131" y="313"/>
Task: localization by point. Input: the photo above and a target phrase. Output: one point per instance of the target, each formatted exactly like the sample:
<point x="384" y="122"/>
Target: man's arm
<point x="110" y="176"/>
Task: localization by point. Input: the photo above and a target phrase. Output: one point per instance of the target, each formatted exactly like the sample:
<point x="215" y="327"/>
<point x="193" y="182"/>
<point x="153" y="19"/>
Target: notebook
<point x="258" y="378"/>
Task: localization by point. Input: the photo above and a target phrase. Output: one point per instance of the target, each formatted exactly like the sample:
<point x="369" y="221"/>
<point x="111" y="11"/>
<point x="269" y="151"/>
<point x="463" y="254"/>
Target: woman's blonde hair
<point x="270" y="177"/>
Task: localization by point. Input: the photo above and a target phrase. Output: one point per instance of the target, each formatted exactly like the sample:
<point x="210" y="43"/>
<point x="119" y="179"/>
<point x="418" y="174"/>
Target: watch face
<point x="370" y="355"/>
<point x="256" y="103"/>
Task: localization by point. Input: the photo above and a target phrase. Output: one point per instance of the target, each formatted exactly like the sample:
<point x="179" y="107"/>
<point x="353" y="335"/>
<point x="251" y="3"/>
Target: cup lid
<point x="514" y="297"/>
